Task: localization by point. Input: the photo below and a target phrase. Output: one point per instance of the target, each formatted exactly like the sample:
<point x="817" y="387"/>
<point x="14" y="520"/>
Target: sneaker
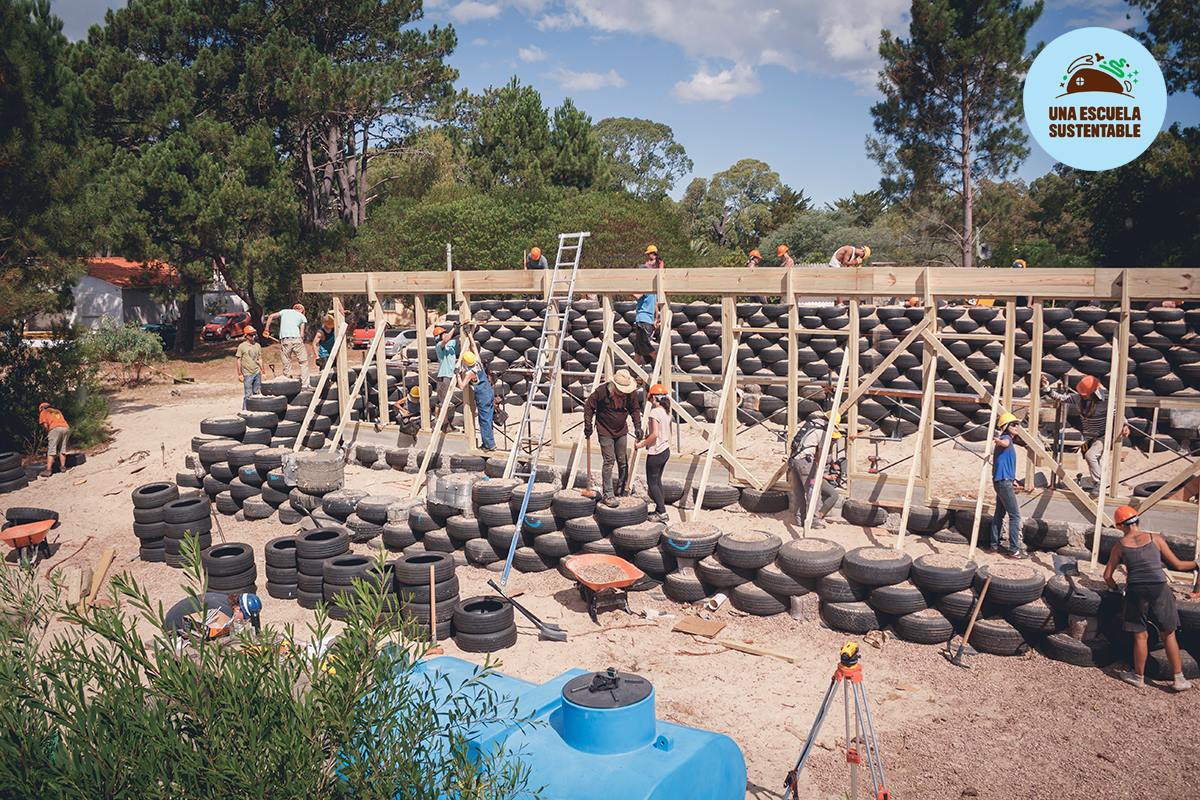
<point x="611" y="501"/>
<point x="488" y="449"/>
<point x="1132" y="678"/>
<point x="1181" y="684"/>
<point x="818" y="524"/>
<point x="1020" y="555"/>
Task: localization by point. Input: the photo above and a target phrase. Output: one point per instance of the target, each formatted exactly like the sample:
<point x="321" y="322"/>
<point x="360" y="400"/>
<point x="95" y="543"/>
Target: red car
<point x="224" y="327"/>
<point x="360" y="338"/>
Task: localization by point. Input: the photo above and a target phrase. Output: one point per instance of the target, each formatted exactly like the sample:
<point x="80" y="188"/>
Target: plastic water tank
<point x="596" y="737"/>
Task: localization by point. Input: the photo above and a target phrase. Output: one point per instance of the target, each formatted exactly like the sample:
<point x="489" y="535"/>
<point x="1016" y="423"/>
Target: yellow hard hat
<point x="1007" y="418"/>
<point x="866" y="251"/>
<point x="651" y="249"/>
<point x="1019" y="264"/>
<point x="837" y="420"/>
<point x="469" y="359"/>
<point x="414" y="391"/>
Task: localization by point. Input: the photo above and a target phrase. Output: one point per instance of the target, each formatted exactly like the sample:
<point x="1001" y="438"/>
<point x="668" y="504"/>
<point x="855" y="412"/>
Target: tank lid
<point x="607" y="689"/>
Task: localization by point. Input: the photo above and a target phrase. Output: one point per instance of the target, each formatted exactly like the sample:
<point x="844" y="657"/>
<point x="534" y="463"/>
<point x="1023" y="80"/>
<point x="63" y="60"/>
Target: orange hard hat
<point x="781" y="250"/>
<point x="914" y="301"/>
<point x="438" y="330"/>
<point x="248" y="330"/>
<point x="535" y="253"/>
<point x="755" y="254"/>
<point x="1087" y="385"/>
<point x="657" y="389"/>
<point x="1125" y="515"/>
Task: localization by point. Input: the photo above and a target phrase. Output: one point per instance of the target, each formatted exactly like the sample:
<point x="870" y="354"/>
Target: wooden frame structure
<point x="1107" y="285"/>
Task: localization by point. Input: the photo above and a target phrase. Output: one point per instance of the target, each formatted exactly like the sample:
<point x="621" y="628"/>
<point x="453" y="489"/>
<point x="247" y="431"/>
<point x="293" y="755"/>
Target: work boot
<point x="611" y="501"/>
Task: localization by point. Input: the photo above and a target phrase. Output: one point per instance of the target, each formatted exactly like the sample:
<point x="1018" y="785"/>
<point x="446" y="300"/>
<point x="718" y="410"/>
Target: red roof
<point x="128" y="274"/>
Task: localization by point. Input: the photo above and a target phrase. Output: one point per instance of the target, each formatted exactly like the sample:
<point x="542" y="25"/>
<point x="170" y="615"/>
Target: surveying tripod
<point x="849" y="675"/>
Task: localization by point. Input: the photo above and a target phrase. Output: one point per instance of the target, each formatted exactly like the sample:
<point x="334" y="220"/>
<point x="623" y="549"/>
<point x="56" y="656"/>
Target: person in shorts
<point x="57" y="434"/>
<point x="1148" y="597"/>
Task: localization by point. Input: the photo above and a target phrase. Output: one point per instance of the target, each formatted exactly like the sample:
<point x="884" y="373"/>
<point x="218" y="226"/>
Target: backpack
<point x="807" y="428"/>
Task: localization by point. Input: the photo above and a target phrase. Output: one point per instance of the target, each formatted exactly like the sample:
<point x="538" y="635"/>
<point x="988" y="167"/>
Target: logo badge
<point x="1095" y="98"/>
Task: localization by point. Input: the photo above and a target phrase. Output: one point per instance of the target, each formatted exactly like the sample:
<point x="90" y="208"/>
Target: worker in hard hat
<point x="1148" y="596"/>
<point x="1004" y="479"/>
<point x="753" y="259"/>
<point x="610" y="409"/>
<point x="645" y="321"/>
<point x="807" y="485"/>
<point x="248" y="360"/>
<point x="473" y="375"/>
<point x="1089" y="401"/>
<point x="535" y="260"/>
<point x="445" y="349"/>
<point x="658" y="448"/>
<point x="408" y="411"/>
<point x="785" y="257"/>
<point x="849" y="255"/>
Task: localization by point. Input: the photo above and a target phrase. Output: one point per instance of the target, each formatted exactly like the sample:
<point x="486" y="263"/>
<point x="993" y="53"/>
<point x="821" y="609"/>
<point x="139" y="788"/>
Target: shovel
<point x="547" y="630"/>
<point x="957" y="658"/>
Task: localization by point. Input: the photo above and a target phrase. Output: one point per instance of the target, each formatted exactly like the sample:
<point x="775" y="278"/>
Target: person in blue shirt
<point x="645" y="323"/>
<point x="474" y="375"/>
<point x="446" y="350"/>
<point x="1004" y="477"/>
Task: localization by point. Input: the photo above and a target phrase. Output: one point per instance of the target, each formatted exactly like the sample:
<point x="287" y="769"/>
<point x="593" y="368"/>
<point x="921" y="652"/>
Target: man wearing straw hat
<point x="610" y="407"/>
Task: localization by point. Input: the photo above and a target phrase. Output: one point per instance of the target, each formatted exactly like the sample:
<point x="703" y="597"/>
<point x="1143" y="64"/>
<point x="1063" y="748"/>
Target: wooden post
<point x="1035" y="388"/>
<point x="359" y="382"/>
<point x="381" y="377"/>
<point x="466" y="342"/>
<point x="985" y="467"/>
<point x="814" y="493"/>
<point x="929" y="362"/>
<point x="422" y="327"/>
<point x="922" y="426"/>
<point x="728" y="387"/>
<point x="577" y="450"/>
<point x="1106" y="457"/>
<point x="852" y="353"/>
<point x="666" y="327"/>
<point x="1010" y="351"/>
<point x="341" y="355"/>
<point x="793" y="360"/>
<point x="858" y="391"/>
<point x="1119" y="380"/>
<point x="334" y="355"/>
<point x="606" y="365"/>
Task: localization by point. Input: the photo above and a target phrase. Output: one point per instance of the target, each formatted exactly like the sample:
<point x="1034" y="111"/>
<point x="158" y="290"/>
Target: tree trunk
<point x="968" y="231"/>
<point x="185" y="328"/>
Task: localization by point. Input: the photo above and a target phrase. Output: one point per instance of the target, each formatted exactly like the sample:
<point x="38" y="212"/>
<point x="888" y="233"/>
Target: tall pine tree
<point x="578" y="160"/>
<point x="951" y="113"/>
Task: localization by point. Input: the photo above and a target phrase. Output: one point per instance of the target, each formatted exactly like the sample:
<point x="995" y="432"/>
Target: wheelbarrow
<point x="29" y="541"/>
<point x="603" y="581"/>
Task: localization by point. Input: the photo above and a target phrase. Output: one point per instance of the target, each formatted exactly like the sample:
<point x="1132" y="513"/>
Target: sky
<point x="788" y="83"/>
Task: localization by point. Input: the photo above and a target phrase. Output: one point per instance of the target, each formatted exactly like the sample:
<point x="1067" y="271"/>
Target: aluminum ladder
<point x="527" y="447"/>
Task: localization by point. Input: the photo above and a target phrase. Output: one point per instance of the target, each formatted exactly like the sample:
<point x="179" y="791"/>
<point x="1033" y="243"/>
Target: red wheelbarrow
<point x="603" y="581"/>
<point x="29" y="541"/>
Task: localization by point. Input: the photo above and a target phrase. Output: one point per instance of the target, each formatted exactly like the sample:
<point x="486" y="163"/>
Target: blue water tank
<point x="595" y="737"/>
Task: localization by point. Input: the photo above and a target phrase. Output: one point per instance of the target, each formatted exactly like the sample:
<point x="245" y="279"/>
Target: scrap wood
<point x="756" y="651"/>
<point x="696" y="626"/>
<point x="106" y="559"/>
<point x="635" y="624"/>
<point x="65" y="559"/>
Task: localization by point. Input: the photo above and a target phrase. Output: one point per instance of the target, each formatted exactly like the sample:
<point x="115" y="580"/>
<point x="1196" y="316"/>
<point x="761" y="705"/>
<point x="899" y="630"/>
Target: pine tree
<point x="951" y="113"/>
<point x="578" y="160"/>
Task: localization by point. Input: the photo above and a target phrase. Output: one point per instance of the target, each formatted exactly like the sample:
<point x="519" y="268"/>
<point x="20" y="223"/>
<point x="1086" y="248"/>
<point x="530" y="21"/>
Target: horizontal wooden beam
<point x="1052" y="283"/>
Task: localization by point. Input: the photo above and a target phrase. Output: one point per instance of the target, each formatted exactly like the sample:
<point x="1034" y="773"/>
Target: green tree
<point x="643" y="156"/>
<point x="1173" y="35"/>
<point x="737" y="206"/>
<point x="863" y="207"/>
<point x="787" y="204"/>
<point x="951" y="108"/>
<point x="577" y="160"/>
<point x="43" y="121"/>
<point x="509" y="144"/>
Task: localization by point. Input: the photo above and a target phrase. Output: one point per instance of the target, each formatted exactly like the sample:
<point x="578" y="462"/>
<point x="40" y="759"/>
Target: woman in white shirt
<point x="658" y="448"/>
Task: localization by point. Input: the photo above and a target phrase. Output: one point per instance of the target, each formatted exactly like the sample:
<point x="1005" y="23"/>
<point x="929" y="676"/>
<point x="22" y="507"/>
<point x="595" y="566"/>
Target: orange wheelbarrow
<point x="603" y="581"/>
<point x="29" y="540"/>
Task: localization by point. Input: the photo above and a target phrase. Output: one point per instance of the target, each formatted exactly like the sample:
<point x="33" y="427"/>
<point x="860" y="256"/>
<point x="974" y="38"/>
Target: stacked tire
<point x="148" y="526"/>
<point x="282" y="573"/>
<point x="339" y="574"/>
<point x="428" y="590"/>
<point x="1083" y="621"/>
<point x="185" y="516"/>
<point x="313" y="548"/>
<point x="12" y="473"/>
<point x="484" y="624"/>
<point x="230" y="568"/>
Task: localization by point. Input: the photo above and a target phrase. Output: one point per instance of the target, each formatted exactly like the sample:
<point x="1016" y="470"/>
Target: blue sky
<point x="789" y="83"/>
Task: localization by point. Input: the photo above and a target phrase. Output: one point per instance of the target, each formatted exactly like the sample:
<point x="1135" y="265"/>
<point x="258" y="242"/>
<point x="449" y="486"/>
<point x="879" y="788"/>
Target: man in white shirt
<point x="291" y="340"/>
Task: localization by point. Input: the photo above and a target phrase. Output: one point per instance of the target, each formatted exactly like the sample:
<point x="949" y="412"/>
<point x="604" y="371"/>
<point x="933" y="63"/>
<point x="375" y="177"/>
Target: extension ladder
<point x="526" y="450"/>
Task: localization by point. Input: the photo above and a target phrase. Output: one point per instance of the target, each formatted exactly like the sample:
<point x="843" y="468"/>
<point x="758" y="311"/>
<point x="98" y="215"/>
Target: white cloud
<point x="586" y="81"/>
<point x="480" y="41"/>
<point x="737" y="81"/>
<point x="558" y="22"/>
<point x="471" y="11"/>
<point x="531" y="53"/>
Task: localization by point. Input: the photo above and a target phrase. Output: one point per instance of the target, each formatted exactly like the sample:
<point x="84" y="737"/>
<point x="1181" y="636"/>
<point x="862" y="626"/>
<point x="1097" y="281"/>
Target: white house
<point x="123" y="291"/>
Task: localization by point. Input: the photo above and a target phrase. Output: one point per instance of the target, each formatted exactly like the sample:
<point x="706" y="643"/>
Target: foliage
<point x="43" y="118"/>
<point x="951" y="109"/>
<point x="127" y="346"/>
<point x="643" y="157"/>
<point x="59" y="374"/>
<point x="510" y="142"/>
<point x="1173" y="36"/>
<point x="739" y="205"/>
<point x="430" y="160"/>
<point x="813" y="235"/>
<point x="111" y="705"/>
<point x="577" y="160"/>
<point x="863" y="207"/>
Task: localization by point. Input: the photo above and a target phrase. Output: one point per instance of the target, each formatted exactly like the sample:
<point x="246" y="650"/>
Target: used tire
<point x="641" y="536"/>
<point x="810" y="558"/>
<point x="1012" y="584"/>
<point x="837" y="588"/>
<point x="876" y="566"/>
<point x="572" y="504"/>
<point x="582" y="530"/>
<point x="374" y="508"/>
<point x="321" y="543"/>
<point x="691" y="539"/>
<point x="483" y="615"/>
<point x="1097" y="652"/>
<point x="655" y="561"/>
<point x="227" y="559"/>
<point x="485" y="642"/>
<point x="897" y="599"/>
<point x="1037" y="618"/>
<point x="342" y="503"/>
<point x="397" y="536"/>
<point x="414" y="569"/>
<point x="956" y="606"/>
<point x="154" y="495"/>
<point x="924" y="627"/>
<point x="628" y="511"/>
<point x="942" y="572"/>
<point x="855" y="617"/>
<point x="769" y="501"/>
<point x="685" y="587"/>
<point x="184" y="510"/>
<point x="444" y="591"/>
<point x="867" y="515"/>
<point x="755" y="600"/>
<point x="714" y="573"/>
<point x="997" y="636"/>
<point x="748" y="549"/>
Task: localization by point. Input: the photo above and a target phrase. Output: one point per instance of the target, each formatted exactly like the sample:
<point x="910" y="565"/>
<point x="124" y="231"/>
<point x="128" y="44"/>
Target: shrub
<point x="128" y="346"/>
<point x="110" y="705"/>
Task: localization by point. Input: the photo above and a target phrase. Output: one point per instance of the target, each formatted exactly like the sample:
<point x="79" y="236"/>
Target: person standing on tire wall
<point x="645" y="321"/>
<point x="610" y="408"/>
<point x="291" y="339"/>
<point x="1090" y="402"/>
<point x="248" y="359"/>
<point x="1148" y="597"/>
<point x="802" y="463"/>
<point x="658" y="448"/>
<point x="1004" y="478"/>
<point x="57" y="434"/>
<point x="324" y="340"/>
<point x="475" y="376"/>
<point x="446" y="350"/>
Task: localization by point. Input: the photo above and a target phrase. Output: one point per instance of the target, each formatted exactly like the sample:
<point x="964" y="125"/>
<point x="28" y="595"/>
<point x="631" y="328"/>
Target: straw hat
<point x="623" y="382"/>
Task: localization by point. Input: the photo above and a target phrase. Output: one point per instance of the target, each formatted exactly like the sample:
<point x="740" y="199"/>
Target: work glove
<point x="587" y="431"/>
<point x="637" y="434"/>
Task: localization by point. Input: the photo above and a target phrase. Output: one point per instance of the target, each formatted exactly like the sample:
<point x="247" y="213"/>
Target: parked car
<point x="224" y="327"/>
<point x="360" y="338"/>
<point x="394" y="346"/>
<point x="166" y="332"/>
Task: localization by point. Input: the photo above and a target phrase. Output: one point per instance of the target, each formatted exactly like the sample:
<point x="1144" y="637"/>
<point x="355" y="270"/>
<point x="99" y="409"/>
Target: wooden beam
<point x="341" y="357"/>
<point x="926" y="414"/>
<point x="318" y="393"/>
<point x="359" y="382"/>
<point x="381" y="377"/>
<point x="986" y="466"/>
<point x="852" y="353"/>
<point x="793" y="357"/>
<point x="918" y="330"/>
<point x="466" y="343"/>
<point x="1118" y="390"/>
<point x="1116" y="370"/>
<point x="729" y="345"/>
<point x="1170" y="485"/>
<point x="1035" y="386"/>
<point x="1010" y="351"/>
<point x="814" y="493"/>
<point x="662" y="362"/>
<point x="727" y="388"/>
<point x="422" y="326"/>
<point x="435" y="439"/>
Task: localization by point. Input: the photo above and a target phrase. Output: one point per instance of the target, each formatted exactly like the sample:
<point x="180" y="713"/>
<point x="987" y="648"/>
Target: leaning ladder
<point x="527" y="447"/>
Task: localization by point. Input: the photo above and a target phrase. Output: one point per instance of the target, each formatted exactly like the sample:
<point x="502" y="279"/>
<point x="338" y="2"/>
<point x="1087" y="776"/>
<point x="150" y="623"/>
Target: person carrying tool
<point x="291" y="339"/>
<point x="324" y="340"/>
<point x="785" y="258"/>
<point x="1148" y="597"/>
<point x="446" y="350"/>
<point x="658" y="448"/>
<point x="1004" y="477"/>
<point x="57" y="434"/>
<point x="610" y="407"/>
<point x="248" y="359"/>
<point x="802" y="463"/>
<point x="535" y="260"/>
<point x="645" y="323"/>
<point x="408" y="412"/>
<point x="1090" y="402"/>
<point x="475" y="375"/>
<point x="849" y="256"/>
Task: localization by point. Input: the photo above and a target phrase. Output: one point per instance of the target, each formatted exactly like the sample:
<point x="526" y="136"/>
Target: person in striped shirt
<point x="1090" y="401"/>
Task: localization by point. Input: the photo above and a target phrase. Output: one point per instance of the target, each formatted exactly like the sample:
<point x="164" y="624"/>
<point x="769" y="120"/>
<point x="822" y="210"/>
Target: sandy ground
<point x="1009" y="727"/>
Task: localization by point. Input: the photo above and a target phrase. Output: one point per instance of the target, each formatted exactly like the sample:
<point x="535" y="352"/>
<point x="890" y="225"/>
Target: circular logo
<point x="1095" y="98"/>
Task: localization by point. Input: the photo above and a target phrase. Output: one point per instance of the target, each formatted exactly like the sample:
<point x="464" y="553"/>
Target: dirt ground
<point x="1009" y="727"/>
